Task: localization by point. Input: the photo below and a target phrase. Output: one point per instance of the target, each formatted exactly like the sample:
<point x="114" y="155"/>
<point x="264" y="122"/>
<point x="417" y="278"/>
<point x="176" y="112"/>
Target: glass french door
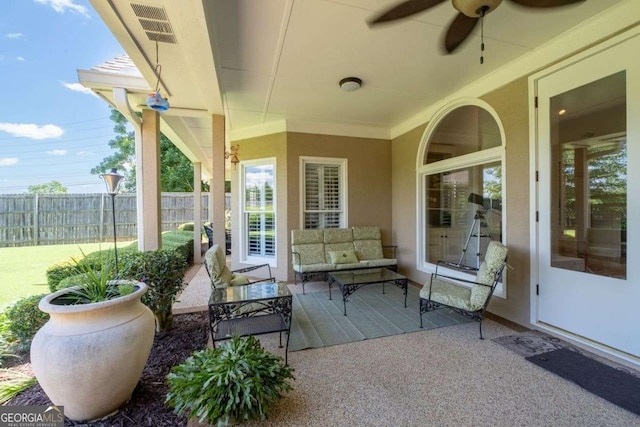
<point x="589" y="211"/>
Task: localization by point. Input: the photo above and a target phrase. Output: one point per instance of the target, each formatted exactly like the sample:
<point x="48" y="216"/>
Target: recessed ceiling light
<point x="562" y="112"/>
<point x="349" y="84"/>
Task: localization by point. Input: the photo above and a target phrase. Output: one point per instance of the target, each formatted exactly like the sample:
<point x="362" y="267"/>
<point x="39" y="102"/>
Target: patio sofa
<point x="318" y="252"/>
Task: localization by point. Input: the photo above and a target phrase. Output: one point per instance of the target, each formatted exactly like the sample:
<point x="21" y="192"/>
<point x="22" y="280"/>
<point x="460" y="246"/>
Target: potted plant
<point x="90" y="354"/>
<point x="235" y="382"/>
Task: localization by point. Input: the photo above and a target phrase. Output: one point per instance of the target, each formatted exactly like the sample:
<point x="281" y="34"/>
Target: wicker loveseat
<point x="317" y="252"/>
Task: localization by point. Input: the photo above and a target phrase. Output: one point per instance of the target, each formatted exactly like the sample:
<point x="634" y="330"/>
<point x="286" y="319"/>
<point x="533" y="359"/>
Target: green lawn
<point x="23" y="270"/>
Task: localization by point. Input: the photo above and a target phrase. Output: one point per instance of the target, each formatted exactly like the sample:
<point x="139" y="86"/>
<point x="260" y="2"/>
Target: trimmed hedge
<point x="180" y="241"/>
<point x="25" y="318"/>
<point x="163" y="272"/>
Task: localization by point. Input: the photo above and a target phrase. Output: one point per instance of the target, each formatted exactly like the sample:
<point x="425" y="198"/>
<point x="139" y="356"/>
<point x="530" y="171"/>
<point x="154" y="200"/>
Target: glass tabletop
<point x="369" y="275"/>
<point x="254" y="292"/>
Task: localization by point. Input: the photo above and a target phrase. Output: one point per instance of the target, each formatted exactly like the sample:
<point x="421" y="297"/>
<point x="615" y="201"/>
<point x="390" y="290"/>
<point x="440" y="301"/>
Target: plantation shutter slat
<point x="323" y="195"/>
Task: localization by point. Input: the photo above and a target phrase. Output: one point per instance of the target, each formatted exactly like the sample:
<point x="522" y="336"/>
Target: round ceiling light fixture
<point x="349" y="84"/>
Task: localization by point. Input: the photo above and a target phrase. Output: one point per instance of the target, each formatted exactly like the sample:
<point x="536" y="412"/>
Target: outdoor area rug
<point x="319" y="322"/>
<point x="614" y="385"/>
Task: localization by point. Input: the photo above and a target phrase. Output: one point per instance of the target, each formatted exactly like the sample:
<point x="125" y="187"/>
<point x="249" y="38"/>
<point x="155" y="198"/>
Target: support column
<point x="148" y="189"/>
<point x="197" y="212"/>
<point x="217" y="179"/>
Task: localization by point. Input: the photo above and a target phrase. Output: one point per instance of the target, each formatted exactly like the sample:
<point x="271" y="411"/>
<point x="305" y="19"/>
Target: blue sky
<point x="50" y="129"/>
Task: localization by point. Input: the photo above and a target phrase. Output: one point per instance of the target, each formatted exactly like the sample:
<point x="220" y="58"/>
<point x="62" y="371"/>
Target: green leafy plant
<point x="12" y="383"/>
<point x="24" y="318"/>
<point x="95" y="283"/>
<point x="238" y="380"/>
<point x="163" y="272"/>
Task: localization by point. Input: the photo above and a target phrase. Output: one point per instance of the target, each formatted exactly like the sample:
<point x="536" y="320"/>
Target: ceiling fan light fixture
<point x="473" y="8"/>
<point x="349" y="84"/>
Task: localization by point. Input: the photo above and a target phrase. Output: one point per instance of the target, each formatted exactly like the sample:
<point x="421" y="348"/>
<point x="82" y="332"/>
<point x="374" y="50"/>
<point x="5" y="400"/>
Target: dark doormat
<point x="614" y="385"/>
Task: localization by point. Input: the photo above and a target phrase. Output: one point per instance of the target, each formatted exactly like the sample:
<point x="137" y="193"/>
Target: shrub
<point x="58" y="272"/>
<point x="75" y="280"/>
<point x="181" y="241"/>
<point x="25" y="319"/>
<point x="236" y="381"/>
<point x="163" y="272"/>
<point x="187" y="226"/>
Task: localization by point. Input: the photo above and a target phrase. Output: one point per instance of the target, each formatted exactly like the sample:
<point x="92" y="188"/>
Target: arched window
<point x="460" y="181"/>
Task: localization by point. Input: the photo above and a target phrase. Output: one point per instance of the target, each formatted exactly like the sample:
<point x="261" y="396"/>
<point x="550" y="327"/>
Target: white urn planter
<point x="89" y="357"/>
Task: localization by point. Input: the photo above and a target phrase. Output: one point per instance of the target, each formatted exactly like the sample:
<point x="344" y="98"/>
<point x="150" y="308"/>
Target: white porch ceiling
<point x="276" y="63"/>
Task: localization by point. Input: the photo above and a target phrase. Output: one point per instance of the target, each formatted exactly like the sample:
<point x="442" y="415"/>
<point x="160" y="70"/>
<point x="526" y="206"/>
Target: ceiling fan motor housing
<point x="474" y="8"/>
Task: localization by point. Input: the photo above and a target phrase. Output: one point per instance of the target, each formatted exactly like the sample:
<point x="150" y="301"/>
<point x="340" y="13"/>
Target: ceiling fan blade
<point x="545" y="3"/>
<point x="405" y="9"/>
<point x="458" y="31"/>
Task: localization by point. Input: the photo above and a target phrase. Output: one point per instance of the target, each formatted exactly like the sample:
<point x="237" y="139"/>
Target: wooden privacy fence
<point x="52" y="219"/>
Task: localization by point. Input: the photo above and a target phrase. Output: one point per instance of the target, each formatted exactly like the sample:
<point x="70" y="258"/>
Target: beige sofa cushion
<point x="338" y="235"/>
<point x="309" y="253"/>
<point x="299" y="237"/>
<point x="366" y="233"/>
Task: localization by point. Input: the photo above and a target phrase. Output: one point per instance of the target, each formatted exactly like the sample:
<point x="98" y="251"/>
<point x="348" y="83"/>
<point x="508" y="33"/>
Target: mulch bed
<point x="146" y="406"/>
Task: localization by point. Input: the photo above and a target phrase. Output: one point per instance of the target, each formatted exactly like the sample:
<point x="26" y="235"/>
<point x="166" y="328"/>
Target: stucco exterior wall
<point x="404" y="151"/>
<point x="369" y="176"/>
<point x="510" y="102"/>
<point x="267" y="146"/>
<point x="369" y="184"/>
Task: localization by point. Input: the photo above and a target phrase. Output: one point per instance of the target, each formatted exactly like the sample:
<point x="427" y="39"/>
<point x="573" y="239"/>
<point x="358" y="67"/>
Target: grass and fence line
<point x="56" y="219"/>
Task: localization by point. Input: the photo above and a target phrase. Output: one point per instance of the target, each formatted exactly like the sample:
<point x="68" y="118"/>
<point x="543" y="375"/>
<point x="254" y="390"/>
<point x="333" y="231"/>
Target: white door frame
<point x="534" y="202"/>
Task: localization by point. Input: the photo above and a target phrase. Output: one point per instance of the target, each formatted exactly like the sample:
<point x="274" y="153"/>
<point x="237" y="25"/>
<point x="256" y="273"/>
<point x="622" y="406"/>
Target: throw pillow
<point x="343" y="257"/>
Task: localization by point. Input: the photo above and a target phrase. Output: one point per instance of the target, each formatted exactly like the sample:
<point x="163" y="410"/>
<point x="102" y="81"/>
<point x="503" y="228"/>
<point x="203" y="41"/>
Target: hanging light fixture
<point x="155" y="101"/>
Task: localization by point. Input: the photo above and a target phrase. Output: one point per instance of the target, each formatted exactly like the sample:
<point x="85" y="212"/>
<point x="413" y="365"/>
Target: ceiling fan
<point x="470" y="12"/>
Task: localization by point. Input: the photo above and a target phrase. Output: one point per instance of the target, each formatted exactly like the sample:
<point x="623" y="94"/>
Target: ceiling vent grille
<point x="154" y="22"/>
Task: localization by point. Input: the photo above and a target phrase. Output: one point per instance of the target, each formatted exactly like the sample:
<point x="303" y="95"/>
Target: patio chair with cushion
<point x="469" y="298"/>
<point x="216" y="265"/>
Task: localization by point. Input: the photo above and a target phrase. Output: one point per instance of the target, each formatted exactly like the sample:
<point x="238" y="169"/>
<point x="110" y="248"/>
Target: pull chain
<point x="482" y="36"/>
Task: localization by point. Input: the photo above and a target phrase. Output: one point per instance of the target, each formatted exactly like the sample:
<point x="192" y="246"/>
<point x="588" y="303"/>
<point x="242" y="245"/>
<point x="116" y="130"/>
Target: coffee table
<point x="259" y="308"/>
<point x="352" y="280"/>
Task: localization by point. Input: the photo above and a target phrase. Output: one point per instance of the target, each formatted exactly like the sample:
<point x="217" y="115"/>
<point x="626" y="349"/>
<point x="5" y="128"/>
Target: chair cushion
<point x="383" y="262"/>
<point x="343" y="257"/>
<point x="214" y="260"/>
<point x="312" y="268"/>
<point x="366" y="233"/>
<point x="300" y="237"/>
<point x="447" y="293"/>
<point x="338" y="235"/>
<point x="494" y="260"/>
<point x="368" y="249"/>
<point x="310" y="253"/>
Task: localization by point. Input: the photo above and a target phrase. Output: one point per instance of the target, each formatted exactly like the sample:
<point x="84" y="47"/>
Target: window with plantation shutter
<point x="258" y="211"/>
<point x="324" y="199"/>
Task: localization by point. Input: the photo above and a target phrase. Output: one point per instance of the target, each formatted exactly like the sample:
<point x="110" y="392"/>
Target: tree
<point x="51" y="187"/>
<point x="176" y="170"/>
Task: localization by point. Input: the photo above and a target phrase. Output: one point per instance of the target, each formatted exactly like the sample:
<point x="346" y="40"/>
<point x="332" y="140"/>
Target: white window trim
<point x="252" y="259"/>
<point x="467" y="160"/>
<point x="344" y="185"/>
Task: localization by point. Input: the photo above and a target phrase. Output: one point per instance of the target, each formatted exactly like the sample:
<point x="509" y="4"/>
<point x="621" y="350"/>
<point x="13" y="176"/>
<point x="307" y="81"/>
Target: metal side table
<point x="256" y="309"/>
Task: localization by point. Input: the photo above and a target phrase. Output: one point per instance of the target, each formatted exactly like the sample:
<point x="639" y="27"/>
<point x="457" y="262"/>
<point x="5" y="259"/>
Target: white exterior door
<point x="588" y="155"/>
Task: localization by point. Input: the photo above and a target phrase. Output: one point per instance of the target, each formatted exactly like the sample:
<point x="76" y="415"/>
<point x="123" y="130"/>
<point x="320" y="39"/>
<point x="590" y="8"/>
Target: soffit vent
<point x="154" y="22"/>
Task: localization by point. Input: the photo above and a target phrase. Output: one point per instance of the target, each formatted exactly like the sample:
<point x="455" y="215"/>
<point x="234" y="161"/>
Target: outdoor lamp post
<point x="113" y="180"/>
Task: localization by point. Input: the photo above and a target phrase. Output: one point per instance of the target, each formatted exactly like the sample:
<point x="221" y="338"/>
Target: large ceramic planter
<point x="89" y="357"/>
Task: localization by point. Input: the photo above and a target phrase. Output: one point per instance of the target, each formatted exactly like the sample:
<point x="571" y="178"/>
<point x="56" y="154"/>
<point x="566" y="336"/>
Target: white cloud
<point x="61" y="6"/>
<point x="19" y="58"/>
<point x="32" y="131"/>
<point x="57" y="152"/>
<point x="77" y="87"/>
<point x="14" y="35"/>
<point x="8" y="161"/>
